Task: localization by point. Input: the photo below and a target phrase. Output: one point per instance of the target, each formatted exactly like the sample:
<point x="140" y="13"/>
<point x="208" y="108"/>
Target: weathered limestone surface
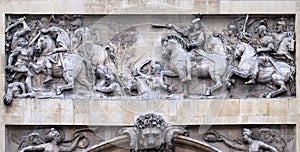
<point x="119" y="112"/>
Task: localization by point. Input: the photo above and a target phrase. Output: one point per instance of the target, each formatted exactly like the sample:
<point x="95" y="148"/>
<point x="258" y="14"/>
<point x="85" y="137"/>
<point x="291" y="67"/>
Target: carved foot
<point x="252" y="81"/>
<point x="48" y="79"/>
<point x="269" y="95"/>
<point x="164" y="86"/>
<point x="208" y="92"/>
<point x="32" y="94"/>
<point x="228" y="86"/>
<point x="58" y="91"/>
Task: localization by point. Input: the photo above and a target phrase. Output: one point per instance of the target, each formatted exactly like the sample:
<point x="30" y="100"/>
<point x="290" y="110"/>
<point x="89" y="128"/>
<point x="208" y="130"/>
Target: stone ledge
<point x="179" y="112"/>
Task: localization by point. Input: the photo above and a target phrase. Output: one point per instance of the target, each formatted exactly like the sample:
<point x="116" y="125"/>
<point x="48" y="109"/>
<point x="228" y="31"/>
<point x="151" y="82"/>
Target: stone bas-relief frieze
<point x="255" y="139"/>
<point x="142" y="56"/>
<point x="151" y="132"/>
<point x="56" y="138"/>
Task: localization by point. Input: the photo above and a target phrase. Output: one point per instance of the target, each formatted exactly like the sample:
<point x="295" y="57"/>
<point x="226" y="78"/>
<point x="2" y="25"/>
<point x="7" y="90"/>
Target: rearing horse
<point x="74" y="67"/>
<point x="268" y="70"/>
<point x="213" y="66"/>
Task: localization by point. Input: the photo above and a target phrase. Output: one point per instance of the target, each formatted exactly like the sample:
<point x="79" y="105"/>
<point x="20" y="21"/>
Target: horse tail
<point x="89" y="67"/>
<point x="292" y="80"/>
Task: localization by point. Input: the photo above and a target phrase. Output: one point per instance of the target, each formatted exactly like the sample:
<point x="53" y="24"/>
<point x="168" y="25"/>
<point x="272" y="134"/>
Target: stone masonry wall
<point x="123" y="112"/>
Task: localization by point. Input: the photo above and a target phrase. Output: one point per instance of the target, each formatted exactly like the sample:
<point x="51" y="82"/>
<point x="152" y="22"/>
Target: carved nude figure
<point x="251" y="144"/>
<point x="106" y="82"/>
<point x="18" y="62"/>
<point x="53" y="145"/>
<point x="20" y="33"/>
<point x="17" y="90"/>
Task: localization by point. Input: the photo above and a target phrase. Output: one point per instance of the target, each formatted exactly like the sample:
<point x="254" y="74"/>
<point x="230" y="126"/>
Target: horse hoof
<point x="208" y="93"/>
<point x="269" y="95"/>
<point x="228" y="85"/>
<point x="58" y="92"/>
<point x="164" y="86"/>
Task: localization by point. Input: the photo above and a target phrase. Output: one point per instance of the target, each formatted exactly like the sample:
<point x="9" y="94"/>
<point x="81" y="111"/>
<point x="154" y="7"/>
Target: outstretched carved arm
<point x="179" y="30"/>
<point x="26" y="29"/>
<point x="233" y="144"/>
<point x="20" y="20"/>
<point x="37" y="147"/>
<point x="268" y="147"/>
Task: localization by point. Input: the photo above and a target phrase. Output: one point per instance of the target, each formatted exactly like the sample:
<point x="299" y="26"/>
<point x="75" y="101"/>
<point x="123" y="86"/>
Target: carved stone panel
<point x="151" y="132"/>
<point x="149" y="56"/>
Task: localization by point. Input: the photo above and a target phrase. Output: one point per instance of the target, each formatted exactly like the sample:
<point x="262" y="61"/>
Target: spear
<point x="245" y="24"/>
<point x="35" y="38"/>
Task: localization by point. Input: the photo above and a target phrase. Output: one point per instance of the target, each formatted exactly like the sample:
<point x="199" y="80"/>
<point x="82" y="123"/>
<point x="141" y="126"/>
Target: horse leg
<point x="218" y="84"/>
<point x="235" y="71"/>
<point x="230" y="72"/>
<point x="83" y="81"/>
<point x="238" y="72"/>
<point x="278" y="80"/>
<point x="166" y="73"/>
<point x="185" y="89"/>
<point x="35" y="68"/>
<point x="70" y="82"/>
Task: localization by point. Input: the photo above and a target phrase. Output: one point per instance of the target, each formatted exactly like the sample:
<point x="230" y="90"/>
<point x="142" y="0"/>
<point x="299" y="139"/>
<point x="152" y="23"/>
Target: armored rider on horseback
<point x="196" y="40"/>
<point x="63" y="44"/>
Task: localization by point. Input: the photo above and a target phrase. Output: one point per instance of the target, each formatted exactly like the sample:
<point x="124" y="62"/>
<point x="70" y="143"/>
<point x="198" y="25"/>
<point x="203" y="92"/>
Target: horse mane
<point x="178" y="39"/>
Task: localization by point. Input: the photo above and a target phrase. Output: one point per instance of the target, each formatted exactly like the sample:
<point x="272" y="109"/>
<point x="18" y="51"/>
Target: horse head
<point x="172" y="43"/>
<point x="44" y="42"/>
<point x="244" y="51"/>
<point x="110" y="48"/>
<point x="41" y="43"/>
<point x="287" y="44"/>
<point x="166" y="48"/>
<point x="239" y="50"/>
<point x="215" y="44"/>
